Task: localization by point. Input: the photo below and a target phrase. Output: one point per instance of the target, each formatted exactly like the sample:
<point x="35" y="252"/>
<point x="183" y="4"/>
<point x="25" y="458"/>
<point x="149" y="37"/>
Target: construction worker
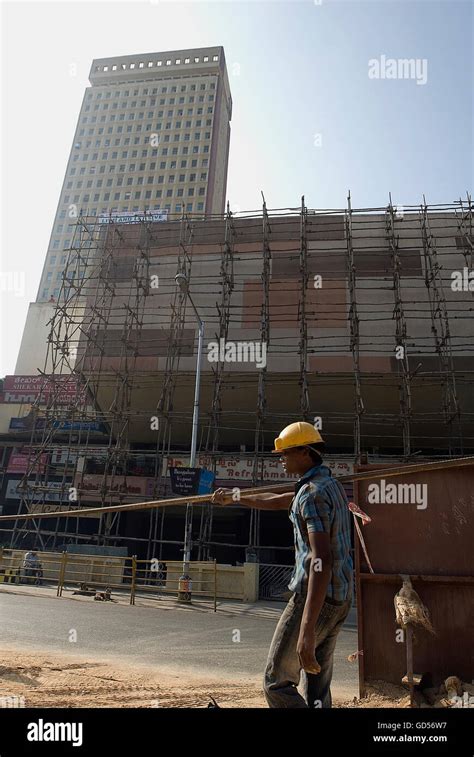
<point x="321" y="583"/>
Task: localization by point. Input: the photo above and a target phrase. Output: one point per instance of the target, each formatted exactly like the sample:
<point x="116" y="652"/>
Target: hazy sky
<point x="308" y="116"/>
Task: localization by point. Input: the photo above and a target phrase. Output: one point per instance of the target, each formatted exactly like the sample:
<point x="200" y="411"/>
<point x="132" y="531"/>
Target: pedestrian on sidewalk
<point x="32" y="568"/>
<point x="302" y="648"/>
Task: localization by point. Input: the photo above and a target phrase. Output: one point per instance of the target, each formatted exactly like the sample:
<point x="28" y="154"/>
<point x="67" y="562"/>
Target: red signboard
<point x="20" y="462"/>
<point x="90" y="486"/>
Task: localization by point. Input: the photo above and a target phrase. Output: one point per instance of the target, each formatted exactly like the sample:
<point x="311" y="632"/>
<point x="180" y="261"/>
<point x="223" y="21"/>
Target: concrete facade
<point x="152" y="135"/>
<point x="32" y="355"/>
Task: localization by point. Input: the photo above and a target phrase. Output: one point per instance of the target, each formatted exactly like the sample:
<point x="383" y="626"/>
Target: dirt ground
<point x="51" y="680"/>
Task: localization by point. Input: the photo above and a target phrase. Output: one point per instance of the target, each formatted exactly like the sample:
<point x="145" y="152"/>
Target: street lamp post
<point x="184" y="584"/>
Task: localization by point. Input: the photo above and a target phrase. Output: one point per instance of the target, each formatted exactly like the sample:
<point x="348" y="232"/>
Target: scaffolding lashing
<point x="354" y="330"/>
<point x="401" y="351"/>
<point x="223" y="311"/>
<point x="465" y="241"/>
<point x="303" y="340"/>
<point x="259" y="444"/>
<point x="440" y="328"/>
<point x="176" y="328"/>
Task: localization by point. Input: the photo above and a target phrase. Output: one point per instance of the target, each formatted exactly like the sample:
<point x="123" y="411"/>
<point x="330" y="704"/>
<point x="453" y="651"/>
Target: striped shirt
<point x="320" y="504"/>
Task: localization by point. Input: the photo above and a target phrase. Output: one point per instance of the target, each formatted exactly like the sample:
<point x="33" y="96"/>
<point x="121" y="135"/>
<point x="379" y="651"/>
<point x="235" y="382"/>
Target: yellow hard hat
<point x="297" y="435"/>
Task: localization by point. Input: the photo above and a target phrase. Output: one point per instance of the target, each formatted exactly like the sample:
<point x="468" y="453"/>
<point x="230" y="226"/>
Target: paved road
<point x="176" y="636"/>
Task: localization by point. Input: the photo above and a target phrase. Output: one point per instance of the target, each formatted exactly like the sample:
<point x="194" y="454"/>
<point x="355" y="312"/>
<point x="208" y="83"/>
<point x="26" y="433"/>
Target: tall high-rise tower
<point x="153" y="134"/>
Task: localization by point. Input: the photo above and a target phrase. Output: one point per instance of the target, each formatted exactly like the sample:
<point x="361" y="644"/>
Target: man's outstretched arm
<point x="260" y="501"/>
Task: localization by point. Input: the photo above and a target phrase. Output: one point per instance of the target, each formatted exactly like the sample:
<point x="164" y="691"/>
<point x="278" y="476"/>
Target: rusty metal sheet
<point x="434" y="545"/>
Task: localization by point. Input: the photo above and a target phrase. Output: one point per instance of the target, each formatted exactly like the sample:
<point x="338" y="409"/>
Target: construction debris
<point x="213" y="704"/>
<point x="453" y="687"/>
<point x="84" y="590"/>
<point x="383" y="694"/>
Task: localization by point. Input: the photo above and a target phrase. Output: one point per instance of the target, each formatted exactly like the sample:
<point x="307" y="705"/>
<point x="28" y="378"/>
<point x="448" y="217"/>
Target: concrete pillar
<point x="250" y="588"/>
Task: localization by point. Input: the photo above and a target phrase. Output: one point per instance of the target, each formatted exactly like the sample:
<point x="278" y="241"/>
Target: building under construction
<point x="357" y="320"/>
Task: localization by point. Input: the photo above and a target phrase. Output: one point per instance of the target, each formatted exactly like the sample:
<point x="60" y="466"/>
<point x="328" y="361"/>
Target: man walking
<point x="305" y="637"/>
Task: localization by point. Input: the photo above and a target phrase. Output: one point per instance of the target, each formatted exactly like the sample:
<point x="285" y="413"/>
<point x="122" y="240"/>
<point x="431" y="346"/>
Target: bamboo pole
<point x="215" y="585"/>
<point x="402" y="470"/>
<point x="134" y="578"/>
<point x="62" y="571"/>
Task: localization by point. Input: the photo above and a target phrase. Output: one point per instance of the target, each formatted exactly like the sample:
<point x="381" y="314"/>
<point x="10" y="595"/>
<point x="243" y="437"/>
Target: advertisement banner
<point x="64" y="456"/>
<point x="66" y="389"/>
<point x="241" y="469"/>
<point x="80" y="426"/>
<point x="50" y="496"/>
<point x="26" y="423"/>
<point x="20" y="461"/>
<point x="90" y="486"/>
<point x="132" y="217"/>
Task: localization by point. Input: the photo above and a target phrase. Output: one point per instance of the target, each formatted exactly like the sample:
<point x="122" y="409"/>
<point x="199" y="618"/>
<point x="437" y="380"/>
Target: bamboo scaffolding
<point x="103" y="334"/>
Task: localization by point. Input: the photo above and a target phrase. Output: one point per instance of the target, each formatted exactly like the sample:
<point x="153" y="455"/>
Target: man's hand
<point x="222" y="497"/>
<point x="306" y="651"/>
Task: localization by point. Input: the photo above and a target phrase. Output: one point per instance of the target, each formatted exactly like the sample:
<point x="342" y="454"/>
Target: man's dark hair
<point x="315" y="452"/>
